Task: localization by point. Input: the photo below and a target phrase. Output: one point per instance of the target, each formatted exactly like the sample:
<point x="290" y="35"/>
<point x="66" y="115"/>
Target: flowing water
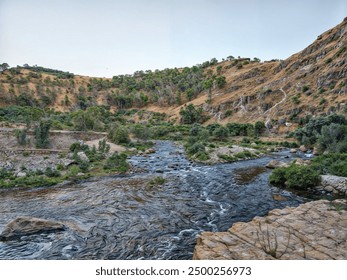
<point x="123" y="217"/>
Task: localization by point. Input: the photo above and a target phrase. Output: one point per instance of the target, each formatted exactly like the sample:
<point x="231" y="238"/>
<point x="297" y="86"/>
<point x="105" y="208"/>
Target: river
<point x="123" y="217"/>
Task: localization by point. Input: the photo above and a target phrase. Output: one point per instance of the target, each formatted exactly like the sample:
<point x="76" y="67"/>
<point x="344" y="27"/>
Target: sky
<point x="103" y="38"/>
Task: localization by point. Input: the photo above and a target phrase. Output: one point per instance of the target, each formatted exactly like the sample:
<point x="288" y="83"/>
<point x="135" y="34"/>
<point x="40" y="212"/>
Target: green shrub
<point x="202" y="156"/>
<point x="301" y="177"/>
<point x="21" y="135"/>
<point x="305" y="88"/>
<point x="190" y="115"/>
<point x="333" y="138"/>
<point x="221" y="81"/>
<point x="157" y="181"/>
<point x="278" y="176"/>
<point x="221" y="133"/>
<point x="195" y="148"/>
<point x="310" y="133"/>
<point x="103" y="147"/>
<point x="5" y="174"/>
<point x="42" y="134"/>
<point x="78" y="147"/>
<point x="119" y="136"/>
<point x="333" y="163"/>
<point x="52" y="172"/>
<point x="296" y="177"/>
<point x="259" y="128"/>
<point x="227" y="158"/>
<point x="194" y="131"/>
<point x="117" y="162"/>
<point x="244" y="154"/>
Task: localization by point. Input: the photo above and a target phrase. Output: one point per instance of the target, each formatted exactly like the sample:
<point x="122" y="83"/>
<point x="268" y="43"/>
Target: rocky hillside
<point x="278" y="92"/>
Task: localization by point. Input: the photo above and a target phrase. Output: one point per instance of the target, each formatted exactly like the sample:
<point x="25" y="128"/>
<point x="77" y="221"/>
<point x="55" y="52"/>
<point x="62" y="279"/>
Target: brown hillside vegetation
<point x="311" y="82"/>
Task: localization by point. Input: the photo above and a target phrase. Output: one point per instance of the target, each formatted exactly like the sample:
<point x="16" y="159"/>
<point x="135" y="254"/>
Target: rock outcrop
<point x="314" y="230"/>
<point x="23" y="226"/>
<point x="334" y="184"/>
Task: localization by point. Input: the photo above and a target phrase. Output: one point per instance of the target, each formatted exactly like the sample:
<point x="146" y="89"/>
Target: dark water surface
<point x="122" y="217"/>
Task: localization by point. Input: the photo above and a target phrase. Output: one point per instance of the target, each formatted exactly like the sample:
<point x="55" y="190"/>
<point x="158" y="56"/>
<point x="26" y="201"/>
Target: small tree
<point x="190" y="115"/>
<point x="221" y="133"/>
<point x="208" y="86"/>
<point x="21" y="135"/>
<point x="120" y="136"/>
<point x="259" y="128"/>
<point x="4" y="66"/>
<point x="219" y="69"/>
<point x="42" y="134"/>
<point x="221" y="81"/>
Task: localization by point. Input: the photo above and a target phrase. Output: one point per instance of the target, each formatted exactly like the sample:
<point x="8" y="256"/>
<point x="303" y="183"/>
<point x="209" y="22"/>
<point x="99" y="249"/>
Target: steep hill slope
<point x="311" y="82"/>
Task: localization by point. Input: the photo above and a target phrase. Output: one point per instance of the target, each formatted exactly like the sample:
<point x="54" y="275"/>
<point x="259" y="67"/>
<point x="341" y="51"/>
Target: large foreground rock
<point x="23" y="226"/>
<point x="314" y="230"/>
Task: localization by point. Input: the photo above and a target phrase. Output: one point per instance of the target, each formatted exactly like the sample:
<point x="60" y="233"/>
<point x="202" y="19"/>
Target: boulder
<point x="281" y="121"/>
<point x="303" y="149"/>
<point x="67" y="162"/>
<point x="335" y="184"/>
<point x="83" y="156"/>
<point x="276" y="164"/>
<point x="8" y="165"/>
<point x="300" y="161"/>
<point x="149" y="151"/>
<point x="23" y="226"/>
<point x="316" y="151"/>
<point x="293" y="151"/>
<point x="21" y="174"/>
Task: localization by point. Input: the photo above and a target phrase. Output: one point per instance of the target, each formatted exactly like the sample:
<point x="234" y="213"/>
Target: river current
<point x="124" y="217"/>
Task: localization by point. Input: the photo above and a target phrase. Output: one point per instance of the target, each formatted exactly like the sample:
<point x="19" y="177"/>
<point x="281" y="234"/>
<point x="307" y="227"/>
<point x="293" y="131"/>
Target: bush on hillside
<point x="119" y="136"/>
<point x="190" y="115"/>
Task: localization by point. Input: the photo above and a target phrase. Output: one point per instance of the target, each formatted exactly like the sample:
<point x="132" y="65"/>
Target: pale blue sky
<point x="105" y="38"/>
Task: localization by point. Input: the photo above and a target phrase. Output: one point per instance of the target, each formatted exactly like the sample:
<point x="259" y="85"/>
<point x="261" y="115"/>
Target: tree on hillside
<point x="259" y="128"/>
<point x="190" y="115"/>
<point x="208" y="86"/>
<point x="219" y="69"/>
<point x="221" y="81"/>
<point x="42" y="134"/>
<point x="4" y="66"/>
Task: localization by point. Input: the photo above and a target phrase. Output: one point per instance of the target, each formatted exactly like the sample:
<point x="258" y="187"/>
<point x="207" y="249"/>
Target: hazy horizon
<point x="106" y="38"/>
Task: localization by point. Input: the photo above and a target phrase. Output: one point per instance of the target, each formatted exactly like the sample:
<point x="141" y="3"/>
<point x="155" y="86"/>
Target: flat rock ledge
<point x="24" y="226"/>
<point x="315" y="230"/>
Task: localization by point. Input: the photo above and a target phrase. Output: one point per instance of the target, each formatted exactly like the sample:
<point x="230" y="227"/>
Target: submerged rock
<point x="23" y="226"/>
<point x="314" y="230"/>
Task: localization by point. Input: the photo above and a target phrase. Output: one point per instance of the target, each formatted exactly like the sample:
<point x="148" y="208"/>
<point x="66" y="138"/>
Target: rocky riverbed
<point x="126" y="217"/>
